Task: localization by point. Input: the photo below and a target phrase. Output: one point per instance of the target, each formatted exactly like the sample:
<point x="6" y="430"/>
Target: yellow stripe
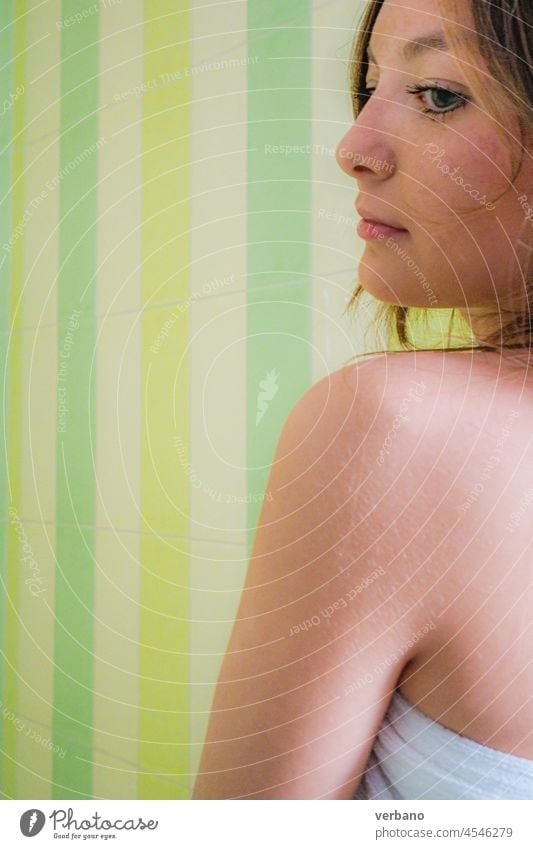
<point x="163" y="746"/>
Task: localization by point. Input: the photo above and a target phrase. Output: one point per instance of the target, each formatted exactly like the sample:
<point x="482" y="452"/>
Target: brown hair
<point x="502" y="35"/>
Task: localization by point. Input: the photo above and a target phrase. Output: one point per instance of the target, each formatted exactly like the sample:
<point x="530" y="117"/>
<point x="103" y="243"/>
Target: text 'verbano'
<point x="398" y="815"/>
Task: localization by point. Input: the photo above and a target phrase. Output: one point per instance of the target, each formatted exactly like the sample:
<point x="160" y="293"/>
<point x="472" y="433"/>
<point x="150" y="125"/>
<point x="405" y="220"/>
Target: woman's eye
<point x="438" y="100"/>
<point x="366" y="92"/>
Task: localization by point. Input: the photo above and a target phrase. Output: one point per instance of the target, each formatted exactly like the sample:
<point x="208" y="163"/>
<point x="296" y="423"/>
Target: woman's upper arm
<point x="318" y="643"/>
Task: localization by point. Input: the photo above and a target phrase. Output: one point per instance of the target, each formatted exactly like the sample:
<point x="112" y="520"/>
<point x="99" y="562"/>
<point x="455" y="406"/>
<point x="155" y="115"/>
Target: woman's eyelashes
<point x="439" y="100"/>
<point x="442" y="100"/>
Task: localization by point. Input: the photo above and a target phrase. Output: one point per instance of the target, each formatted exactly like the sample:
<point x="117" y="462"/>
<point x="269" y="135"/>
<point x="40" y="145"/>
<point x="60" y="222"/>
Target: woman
<point x="381" y="647"/>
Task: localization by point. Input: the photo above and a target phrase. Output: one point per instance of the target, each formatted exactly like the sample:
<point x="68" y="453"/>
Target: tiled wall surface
<point x="170" y="285"/>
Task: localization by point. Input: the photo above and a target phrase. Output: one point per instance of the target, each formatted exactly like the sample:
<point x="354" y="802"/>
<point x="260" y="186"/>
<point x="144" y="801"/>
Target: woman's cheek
<point x="465" y="171"/>
<point x="490" y="164"/>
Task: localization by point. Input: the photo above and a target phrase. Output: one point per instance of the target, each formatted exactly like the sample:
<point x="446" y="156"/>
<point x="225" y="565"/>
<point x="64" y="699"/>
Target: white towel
<point x="416" y="758"/>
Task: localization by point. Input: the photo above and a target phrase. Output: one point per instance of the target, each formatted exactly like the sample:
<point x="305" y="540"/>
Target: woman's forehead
<point x="414" y="18"/>
<point x="405" y="30"/>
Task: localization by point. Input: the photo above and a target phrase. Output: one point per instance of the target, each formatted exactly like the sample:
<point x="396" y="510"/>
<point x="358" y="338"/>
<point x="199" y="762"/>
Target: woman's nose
<point x="365" y="151"/>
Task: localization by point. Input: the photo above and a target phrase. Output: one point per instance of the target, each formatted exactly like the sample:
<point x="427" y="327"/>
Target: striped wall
<point x="6" y="14"/>
<point x="169" y="287"/>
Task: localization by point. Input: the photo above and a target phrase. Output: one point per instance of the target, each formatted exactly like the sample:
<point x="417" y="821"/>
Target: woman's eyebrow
<point x="414" y="47"/>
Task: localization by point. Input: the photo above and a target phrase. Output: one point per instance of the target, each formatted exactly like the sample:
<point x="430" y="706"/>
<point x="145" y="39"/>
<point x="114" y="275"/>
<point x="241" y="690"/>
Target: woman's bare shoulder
<point x="434" y="412"/>
<point x="441" y="436"/>
<point x="455" y="448"/>
<point x="477" y="387"/>
<point x="438" y="365"/>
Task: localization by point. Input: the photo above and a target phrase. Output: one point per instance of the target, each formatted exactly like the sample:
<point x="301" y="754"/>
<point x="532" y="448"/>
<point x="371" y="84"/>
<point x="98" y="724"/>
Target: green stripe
<point x="6" y="50"/>
<point x="279" y="228"/>
<point x="73" y="655"/>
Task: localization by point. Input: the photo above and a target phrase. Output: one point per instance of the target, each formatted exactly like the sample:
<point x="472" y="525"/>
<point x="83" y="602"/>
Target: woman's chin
<point x="376" y="286"/>
<point x="396" y="293"/>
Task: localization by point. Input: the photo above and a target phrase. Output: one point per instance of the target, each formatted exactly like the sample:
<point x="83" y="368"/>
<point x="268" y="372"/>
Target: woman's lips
<point x="375" y="231"/>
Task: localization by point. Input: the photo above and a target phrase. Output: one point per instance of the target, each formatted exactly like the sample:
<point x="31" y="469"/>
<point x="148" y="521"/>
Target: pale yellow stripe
<point x="217" y="474"/>
<point x="117" y="578"/>
<point x="120" y="160"/>
<point x="41" y="139"/>
<point x="40" y="312"/>
<point x="219" y="97"/>
<point x="39" y="378"/>
<point x="116" y="690"/>
<point x="217" y="470"/>
<point x="43" y="59"/>
<point x="219" y="83"/>
<point x="35" y="664"/>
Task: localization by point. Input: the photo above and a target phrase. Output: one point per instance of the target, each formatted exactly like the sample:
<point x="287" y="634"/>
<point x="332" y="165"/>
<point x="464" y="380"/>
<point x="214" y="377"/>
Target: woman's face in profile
<point x="431" y="162"/>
